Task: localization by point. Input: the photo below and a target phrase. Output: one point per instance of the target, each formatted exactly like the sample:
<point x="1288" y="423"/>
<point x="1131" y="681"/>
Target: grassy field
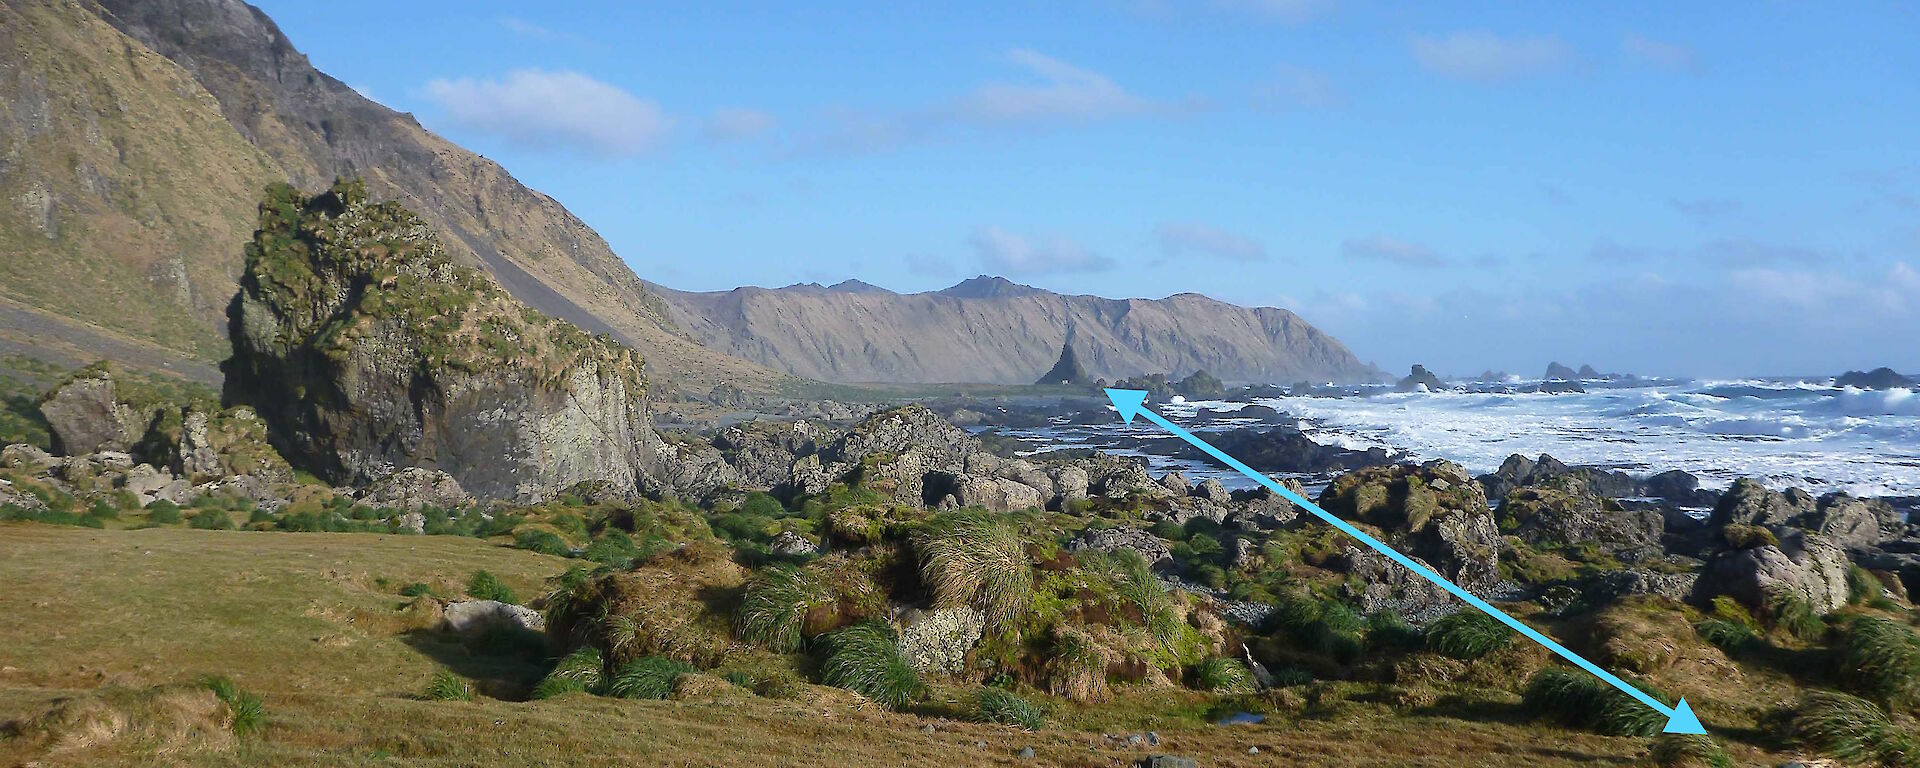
<point x="314" y="624"/>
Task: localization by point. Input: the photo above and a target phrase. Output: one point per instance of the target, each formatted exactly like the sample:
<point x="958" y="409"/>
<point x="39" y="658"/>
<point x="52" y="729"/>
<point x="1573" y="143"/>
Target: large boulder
<point x="1854" y="523"/>
<point x="764" y="453"/>
<point x="469" y="617"/>
<point x="1804" y="564"/>
<point x="1377" y="583"/>
<point x="366" y="350"/>
<point x="1748" y="502"/>
<point x="416" y="487"/>
<point x="1563" y="514"/>
<point x="1151" y="548"/>
<point x="1520" y="472"/>
<point x="937" y="641"/>
<point x="1434" y="511"/>
<point x="908" y="429"/>
<point x="85" y="415"/>
<point x="226" y="444"/>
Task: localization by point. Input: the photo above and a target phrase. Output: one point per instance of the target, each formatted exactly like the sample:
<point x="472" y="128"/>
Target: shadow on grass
<point x="502" y="662"/>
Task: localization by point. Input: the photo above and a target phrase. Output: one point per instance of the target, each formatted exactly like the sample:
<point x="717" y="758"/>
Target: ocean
<point x="1784" y="433"/>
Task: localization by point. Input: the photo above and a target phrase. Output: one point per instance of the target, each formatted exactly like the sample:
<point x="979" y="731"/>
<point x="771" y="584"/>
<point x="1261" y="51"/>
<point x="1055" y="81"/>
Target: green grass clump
<point x="648" y="677"/>
<point x="543" y="542"/>
<point x="1467" y="635"/>
<point x="1219" y="675"/>
<point x="977" y="559"/>
<point x="1854" y="731"/>
<point x="447" y="686"/>
<point x="212" y="520"/>
<point x="865" y="658"/>
<point x="1685" y="750"/>
<point x="1730" y="636"/>
<point x="1789" y="612"/>
<point x="1576" y="699"/>
<point x="485" y="586"/>
<point x="773" y="611"/>
<point x="613" y="548"/>
<point x="1133" y="581"/>
<point x="163" y="512"/>
<point x="578" y="672"/>
<point x="11" y="512"/>
<point x="245" y="710"/>
<point x="1879" y="658"/>
<point x="997" y="705"/>
<point x="417" y="589"/>
<point x="1743" y="536"/>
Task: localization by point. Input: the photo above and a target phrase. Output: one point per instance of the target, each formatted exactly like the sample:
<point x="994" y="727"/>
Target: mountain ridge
<point x="988" y="329"/>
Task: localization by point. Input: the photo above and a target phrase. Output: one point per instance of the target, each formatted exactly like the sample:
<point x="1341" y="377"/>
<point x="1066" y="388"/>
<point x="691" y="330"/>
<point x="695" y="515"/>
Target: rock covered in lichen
<point x="367" y="351"/>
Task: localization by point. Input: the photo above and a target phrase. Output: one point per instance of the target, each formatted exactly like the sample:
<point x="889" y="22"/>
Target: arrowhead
<point x="1683" y="721"/>
<point x="1128" y="402"/>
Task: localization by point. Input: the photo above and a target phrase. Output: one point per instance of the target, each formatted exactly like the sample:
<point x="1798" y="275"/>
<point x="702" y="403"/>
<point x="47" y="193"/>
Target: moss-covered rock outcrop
<point x="367" y="350"/>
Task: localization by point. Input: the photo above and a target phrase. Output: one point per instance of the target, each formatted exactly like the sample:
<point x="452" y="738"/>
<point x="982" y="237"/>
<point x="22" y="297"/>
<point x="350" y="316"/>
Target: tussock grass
<point x="543" y="542"/>
<point x="1228" y="676"/>
<point x="447" y="686"/>
<point x="1467" y="635"/>
<point x="865" y="658"/>
<point x="1576" y="699"/>
<point x="582" y="671"/>
<point x="1682" y="750"/>
<point x="998" y="705"/>
<point x="1790" y="613"/>
<point x="245" y="712"/>
<point x="1076" y="665"/>
<point x="1880" y="658"/>
<point x="773" y="611"/>
<point x="483" y="585"/>
<point x="1133" y="580"/>
<point x="1730" y="636"/>
<point x="648" y="677"/>
<point x="1854" y="731"/>
<point x="977" y="559"/>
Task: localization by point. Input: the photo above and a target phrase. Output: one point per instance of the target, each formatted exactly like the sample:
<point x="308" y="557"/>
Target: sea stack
<point x="1068" y="371"/>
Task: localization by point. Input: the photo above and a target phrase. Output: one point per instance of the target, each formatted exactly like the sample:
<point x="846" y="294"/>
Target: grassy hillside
<point x="132" y="191"/>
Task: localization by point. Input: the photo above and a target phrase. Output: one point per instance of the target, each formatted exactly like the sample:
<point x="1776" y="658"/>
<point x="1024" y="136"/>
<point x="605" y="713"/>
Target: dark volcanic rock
<point x="367" y="351"/>
<point x="1068" y="371"/>
<point x="1418" y="378"/>
<point x="1557" y="371"/>
<point x="1854" y="523"/>
<point x="1520" y="472"/>
<point x="1151" y="548"/>
<point x="1286" y="449"/>
<point x="1878" y="378"/>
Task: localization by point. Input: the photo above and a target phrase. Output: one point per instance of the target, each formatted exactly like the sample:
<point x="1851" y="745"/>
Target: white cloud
<point x="1293" y="86"/>
<point x="1182" y="239"/>
<point x="552" y="110"/>
<point x="1486" y="57"/>
<point x="1670" y="56"/>
<point x="735" y="124"/>
<point x="1064" y="92"/>
<point x="1392" y="251"/>
<point x="1008" y="253"/>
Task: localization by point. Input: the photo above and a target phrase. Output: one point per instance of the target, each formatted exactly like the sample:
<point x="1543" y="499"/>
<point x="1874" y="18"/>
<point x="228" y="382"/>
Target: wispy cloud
<point x="1289" y="11"/>
<point x="1669" y="56"/>
<point x="736" y="124"/>
<point x="1730" y="253"/>
<point x="1299" y="87"/>
<point x="1008" y="253"/>
<point x="1051" y="92"/>
<point x="540" y="109"/>
<point x="532" y="31"/>
<point x="1184" y="239"/>
<point x="1705" y="211"/>
<point x="1486" y="57"/>
<point x="1392" y="251"/>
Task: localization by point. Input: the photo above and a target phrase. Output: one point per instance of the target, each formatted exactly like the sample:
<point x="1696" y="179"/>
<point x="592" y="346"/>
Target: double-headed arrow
<point x="1132" y="402"/>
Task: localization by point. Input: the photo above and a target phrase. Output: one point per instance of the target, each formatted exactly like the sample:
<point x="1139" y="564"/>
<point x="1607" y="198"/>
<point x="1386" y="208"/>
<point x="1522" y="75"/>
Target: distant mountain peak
<point x="987" y="287"/>
<point x="856" y="286"/>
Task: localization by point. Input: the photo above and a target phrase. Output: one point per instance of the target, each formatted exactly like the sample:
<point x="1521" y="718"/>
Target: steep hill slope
<point x="138" y="134"/>
<point x="990" y="330"/>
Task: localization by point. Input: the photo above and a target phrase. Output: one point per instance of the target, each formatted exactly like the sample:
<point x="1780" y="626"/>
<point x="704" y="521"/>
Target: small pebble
<point x="1026" y="753"/>
<point x="928" y="728"/>
<point x="1153" y="739"/>
<point x="1253" y="750"/>
<point x="979" y="745"/>
<point x="1134" y="738"/>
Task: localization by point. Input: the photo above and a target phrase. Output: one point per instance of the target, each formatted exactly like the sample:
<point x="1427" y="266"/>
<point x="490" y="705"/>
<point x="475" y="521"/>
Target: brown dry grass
<point x="304" y="621"/>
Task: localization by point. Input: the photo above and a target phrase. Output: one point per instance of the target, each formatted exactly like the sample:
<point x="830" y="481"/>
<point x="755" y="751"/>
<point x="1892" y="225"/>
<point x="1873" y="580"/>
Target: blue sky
<point x="1696" y="188"/>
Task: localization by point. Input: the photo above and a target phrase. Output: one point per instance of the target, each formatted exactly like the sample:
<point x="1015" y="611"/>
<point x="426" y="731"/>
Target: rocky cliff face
<point x="993" y="331"/>
<point x="367" y="350"/>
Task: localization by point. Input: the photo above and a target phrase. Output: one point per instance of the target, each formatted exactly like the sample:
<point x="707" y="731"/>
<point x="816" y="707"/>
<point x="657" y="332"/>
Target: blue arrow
<point x="1132" y="402"/>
